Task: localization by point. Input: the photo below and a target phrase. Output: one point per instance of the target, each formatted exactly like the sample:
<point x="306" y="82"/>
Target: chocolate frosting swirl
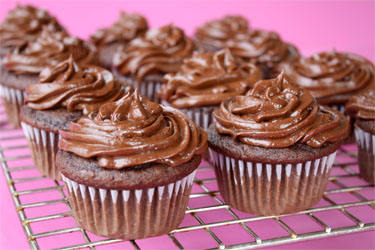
<point x="74" y="87"/>
<point x="332" y="77"/>
<point x="125" y="29"/>
<point x="262" y="47"/>
<point x="208" y="78"/>
<point x="25" y="23"/>
<point x="362" y="105"/>
<point x="134" y="131"/>
<point x="49" y="49"/>
<point x="218" y="32"/>
<point x="278" y="114"/>
<point x="159" y="51"/>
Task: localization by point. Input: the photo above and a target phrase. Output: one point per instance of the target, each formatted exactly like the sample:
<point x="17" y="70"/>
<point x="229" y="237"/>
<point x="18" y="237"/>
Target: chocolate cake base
<point x="144" y="201"/>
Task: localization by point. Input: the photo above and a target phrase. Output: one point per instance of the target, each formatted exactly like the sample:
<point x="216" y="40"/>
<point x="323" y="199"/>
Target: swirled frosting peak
<point x="160" y="50"/>
<point x="278" y="114"/>
<point x="218" y="32"/>
<point x="74" y="87"/>
<point x="134" y="131"/>
<point x="332" y="77"/>
<point x="49" y="49"/>
<point x="125" y="29"/>
<point x="208" y="78"/>
<point x="362" y="105"/>
<point x="24" y="23"/>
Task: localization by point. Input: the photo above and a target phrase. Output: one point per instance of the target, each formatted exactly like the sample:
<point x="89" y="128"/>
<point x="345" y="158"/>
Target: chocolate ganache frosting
<point x="208" y="78"/>
<point x="218" y="32"/>
<point x="25" y="23"/>
<point x="158" y="51"/>
<point x="49" y="49"/>
<point x="134" y="131"/>
<point x="278" y="114"/>
<point x="362" y="105"/>
<point x="74" y="87"/>
<point x="332" y="77"/>
<point x="125" y="29"/>
<point x="262" y="47"/>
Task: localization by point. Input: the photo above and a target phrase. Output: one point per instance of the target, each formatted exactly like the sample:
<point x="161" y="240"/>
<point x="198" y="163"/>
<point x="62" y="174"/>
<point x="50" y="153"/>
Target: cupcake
<point x="361" y="107"/>
<point x="204" y="81"/>
<point x="23" y="24"/>
<point x="64" y="92"/>
<point x="129" y="168"/>
<point x="273" y="148"/>
<point x="332" y="77"/>
<point x="22" y="67"/>
<point x="145" y="60"/>
<point x="108" y="40"/>
<point x="265" y="49"/>
<point x="214" y="35"/>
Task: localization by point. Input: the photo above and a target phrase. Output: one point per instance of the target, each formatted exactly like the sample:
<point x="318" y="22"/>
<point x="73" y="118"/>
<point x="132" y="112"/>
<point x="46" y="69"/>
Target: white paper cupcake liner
<point x="130" y="214"/>
<point x="43" y="147"/>
<point x="271" y="189"/>
<point x="12" y="99"/>
<point x="366" y="154"/>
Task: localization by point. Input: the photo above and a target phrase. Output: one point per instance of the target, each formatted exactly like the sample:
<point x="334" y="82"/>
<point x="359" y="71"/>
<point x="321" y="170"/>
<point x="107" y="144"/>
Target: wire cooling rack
<point x="45" y="213"/>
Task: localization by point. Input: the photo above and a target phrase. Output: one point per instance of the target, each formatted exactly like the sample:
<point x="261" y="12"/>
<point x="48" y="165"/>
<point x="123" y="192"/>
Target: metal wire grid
<point x="292" y="236"/>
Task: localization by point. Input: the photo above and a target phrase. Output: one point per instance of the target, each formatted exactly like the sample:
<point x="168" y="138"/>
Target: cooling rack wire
<point x="45" y="213"/>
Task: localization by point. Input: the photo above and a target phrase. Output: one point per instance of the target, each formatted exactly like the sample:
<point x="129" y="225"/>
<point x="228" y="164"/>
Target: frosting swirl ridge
<point x="24" y="23"/>
<point x="49" y="49"/>
<point x="74" y="87"/>
<point x="208" y="78"/>
<point x="332" y="77"/>
<point x="278" y="114"/>
<point x="134" y="131"/>
<point x="218" y="32"/>
<point x="160" y="50"/>
<point x="126" y="28"/>
<point x="362" y="105"/>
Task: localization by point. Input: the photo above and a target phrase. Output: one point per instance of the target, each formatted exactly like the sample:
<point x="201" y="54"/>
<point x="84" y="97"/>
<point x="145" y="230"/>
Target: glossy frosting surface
<point x="49" y="49"/>
<point x="159" y="51"/>
<point x="362" y="105"/>
<point x="277" y="114"/>
<point x="332" y="74"/>
<point x="208" y="78"/>
<point x="74" y="87"/>
<point x="134" y="131"/>
<point x="126" y="28"/>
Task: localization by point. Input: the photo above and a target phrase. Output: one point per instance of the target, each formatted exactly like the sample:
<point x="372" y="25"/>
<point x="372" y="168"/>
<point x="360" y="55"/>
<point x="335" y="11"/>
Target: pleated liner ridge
<point x="366" y="154"/>
<point x="130" y="214"/>
<point x="271" y="189"/>
<point x="13" y="100"/>
<point x="149" y="89"/>
<point x="43" y="147"/>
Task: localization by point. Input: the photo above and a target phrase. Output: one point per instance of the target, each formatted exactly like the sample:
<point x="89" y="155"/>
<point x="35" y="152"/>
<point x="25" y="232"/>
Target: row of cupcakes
<point x="131" y="161"/>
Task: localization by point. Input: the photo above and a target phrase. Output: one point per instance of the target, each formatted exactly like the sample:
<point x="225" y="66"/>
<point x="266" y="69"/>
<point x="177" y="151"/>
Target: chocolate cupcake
<point x="108" y="40"/>
<point x="265" y="49"/>
<point x="274" y="147"/>
<point x="332" y="77"/>
<point x="129" y="169"/>
<point x="64" y="92"/>
<point x="214" y="35"/>
<point x="24" y="24"/>
<point x="145" y="60"/>
<point x="22" y="67"/>
<point x="204" y="81"/>
<point x="362" y="108"/>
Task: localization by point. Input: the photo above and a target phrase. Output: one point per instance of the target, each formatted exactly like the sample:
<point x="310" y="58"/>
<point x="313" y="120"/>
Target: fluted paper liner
<point x="271" y="189"/>
<point x="366" y="154"/>
<point x="148" y="89"/>
<point x="43" y="147"/>
<point x="130" y="214"/>
<point x="13" y="100"/>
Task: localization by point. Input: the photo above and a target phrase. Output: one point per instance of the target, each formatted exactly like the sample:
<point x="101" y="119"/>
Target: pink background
<point x="312" y="26"/>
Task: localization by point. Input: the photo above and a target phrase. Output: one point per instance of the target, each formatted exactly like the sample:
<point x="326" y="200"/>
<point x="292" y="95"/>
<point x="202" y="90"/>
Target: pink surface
<point x="311" y="25"/>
